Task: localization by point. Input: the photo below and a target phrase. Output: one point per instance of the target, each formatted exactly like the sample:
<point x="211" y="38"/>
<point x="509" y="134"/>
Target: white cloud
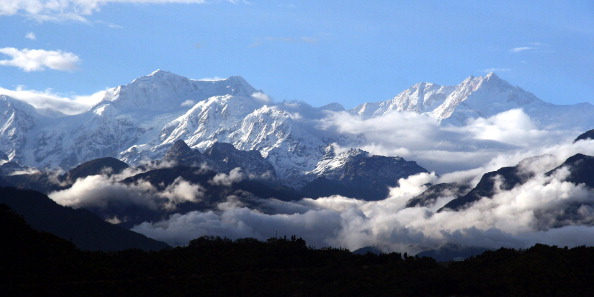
<point x="444" y="148"/>
<point x="511" y="127"/>
<point x="49" y="100"/>
<point x="521" y="49"/>
<point x="181" y="191"/>
<point x="39" y="59"/>
<point x="214" y="78"/>
<point x="188" y="103"/>
<point x="101" y="191"/>
<point x="31" y="36"/>
<point x="223" y="179"/>
<point x="262" y="97"/>
<point x="244" y="222"/>
<point x="76" y="10"/>
<point x="533" y="46"/>
<point x="495" y="69"/>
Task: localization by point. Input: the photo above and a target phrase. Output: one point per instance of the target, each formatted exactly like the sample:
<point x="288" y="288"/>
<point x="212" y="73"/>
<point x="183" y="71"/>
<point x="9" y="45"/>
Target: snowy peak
<point x="159" y="76"/>
<point x="336" y="166"/>
<point x="420" y="98"/>
<point x="12" y="104"/>
<point x="484" y="97"/>
<point x="490" y="82"/>
<point x="237" y="86"/>
<point x="163" y="91"/>
<point x="474" y="97"/>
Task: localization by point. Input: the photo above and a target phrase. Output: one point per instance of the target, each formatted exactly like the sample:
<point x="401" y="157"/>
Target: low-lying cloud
<point x="545" y="209"/>
<point x="102" y="192"/>
<point x="223" y="179"/>
<point x="370" y="224"/>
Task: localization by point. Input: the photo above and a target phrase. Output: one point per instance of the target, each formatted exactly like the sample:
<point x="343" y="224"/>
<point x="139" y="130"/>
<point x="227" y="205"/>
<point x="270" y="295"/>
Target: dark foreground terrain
<point x="34" y="263"/>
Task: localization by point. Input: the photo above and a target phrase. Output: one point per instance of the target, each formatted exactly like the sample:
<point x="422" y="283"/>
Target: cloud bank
<point x="534" y="212"/>
<point x="447" y="148"/>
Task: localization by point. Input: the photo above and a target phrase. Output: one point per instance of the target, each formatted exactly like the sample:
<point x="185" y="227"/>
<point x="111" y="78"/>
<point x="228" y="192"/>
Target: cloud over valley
<point x="546" y="208"/>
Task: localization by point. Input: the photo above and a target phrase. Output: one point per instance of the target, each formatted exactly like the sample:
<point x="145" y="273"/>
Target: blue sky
<point x="314" y="51"/>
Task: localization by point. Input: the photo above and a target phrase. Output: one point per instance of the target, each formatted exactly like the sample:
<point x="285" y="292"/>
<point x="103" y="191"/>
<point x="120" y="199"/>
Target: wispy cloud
<point x="496" y="69"/>
<point x="31" y="36"/>
<point x="73" y="10"/>
<point x="530" y="47"/>
<point x="521" y="49"/>
<point x="38" y="59"/>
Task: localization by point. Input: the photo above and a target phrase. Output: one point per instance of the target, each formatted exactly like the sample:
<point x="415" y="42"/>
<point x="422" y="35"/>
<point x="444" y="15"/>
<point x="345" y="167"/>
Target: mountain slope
<point x="84" y="229"/>
<point x="357" y="173"/>
<point x="17" y="119"/>
<point x="585" y="136"/>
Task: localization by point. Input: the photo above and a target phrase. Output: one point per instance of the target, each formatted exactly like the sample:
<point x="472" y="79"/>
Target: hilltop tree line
<point x="35" y="263"/>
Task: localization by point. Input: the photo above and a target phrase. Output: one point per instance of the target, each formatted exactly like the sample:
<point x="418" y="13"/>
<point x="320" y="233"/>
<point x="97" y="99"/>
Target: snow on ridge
<point x="142" y="119"/>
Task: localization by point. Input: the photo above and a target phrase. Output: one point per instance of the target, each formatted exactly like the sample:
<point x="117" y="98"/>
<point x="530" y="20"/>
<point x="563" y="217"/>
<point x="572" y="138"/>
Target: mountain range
<point x="141" y="120"/>
<point x="165" y="146"/>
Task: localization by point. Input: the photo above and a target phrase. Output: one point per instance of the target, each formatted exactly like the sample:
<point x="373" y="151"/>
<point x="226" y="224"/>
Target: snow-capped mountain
<point x="248" y="123"/>
<point x="16" y="121"/>
<point x="357" y="173"/>
<point x="143" y="119"/>
<point x="127" y="116"/>
<point x="478" y="97"/>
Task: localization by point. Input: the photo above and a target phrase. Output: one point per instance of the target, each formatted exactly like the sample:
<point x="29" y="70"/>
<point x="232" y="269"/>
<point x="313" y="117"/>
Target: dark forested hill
<point x="79" y="226"/>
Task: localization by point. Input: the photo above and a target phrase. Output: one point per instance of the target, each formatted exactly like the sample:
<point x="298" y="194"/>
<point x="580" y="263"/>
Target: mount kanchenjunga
<point x="141" y="120"/>
<point x="128" y="116"/>
<point x="478" y="97"/>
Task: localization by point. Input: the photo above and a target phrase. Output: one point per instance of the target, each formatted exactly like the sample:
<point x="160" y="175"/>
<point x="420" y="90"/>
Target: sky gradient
<point x="314" y="51"/>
